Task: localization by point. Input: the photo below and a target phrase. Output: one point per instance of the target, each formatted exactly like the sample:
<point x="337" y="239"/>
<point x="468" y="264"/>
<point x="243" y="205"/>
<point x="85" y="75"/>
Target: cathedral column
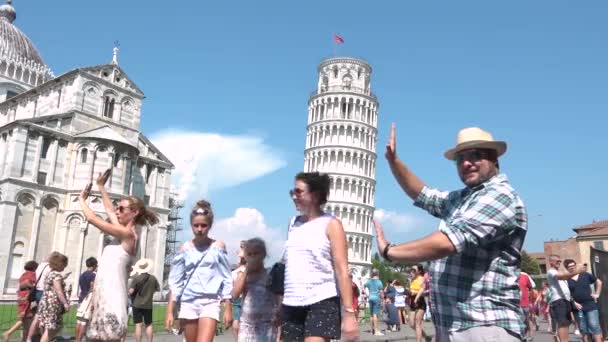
<point x="35" y="231"/>
<point x="55" y="153"/>
<point x="73" y="164"/>
<point x="125" y="165"/>
<point x="79" y="258"/>
<point x="154" y="176"/>
<point x="4" y="151"/>
<point x="92" y="169"/>
<point x="143" y="240"/>
<point x="133" y="164"/>
<point x="37" y="155"/>
<point x="159" y="250"/>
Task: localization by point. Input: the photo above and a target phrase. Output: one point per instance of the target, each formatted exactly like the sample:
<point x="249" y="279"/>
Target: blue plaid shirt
<point x="478" y="286"/>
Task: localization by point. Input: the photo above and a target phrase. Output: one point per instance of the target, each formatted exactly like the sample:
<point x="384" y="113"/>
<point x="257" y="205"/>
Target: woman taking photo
<point x="316" y="269"/>
<point x="200" y="280"/>
<point x="109" y="299"/>
<point x="417" y="302"/>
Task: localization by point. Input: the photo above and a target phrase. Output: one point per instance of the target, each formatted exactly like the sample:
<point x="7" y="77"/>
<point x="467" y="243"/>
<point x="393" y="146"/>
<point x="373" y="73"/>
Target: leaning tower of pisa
<point x="341" y="141"/>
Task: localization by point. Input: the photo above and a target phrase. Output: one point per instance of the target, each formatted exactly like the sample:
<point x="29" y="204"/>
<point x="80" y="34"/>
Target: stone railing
<point x="343" y="89"/>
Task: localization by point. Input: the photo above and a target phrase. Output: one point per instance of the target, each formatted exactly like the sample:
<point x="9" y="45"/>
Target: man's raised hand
<point x="391" y="147"/>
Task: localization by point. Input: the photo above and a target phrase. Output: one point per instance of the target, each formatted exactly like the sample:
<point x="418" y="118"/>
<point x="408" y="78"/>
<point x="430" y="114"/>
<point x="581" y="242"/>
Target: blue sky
<point x="235" y="77"/>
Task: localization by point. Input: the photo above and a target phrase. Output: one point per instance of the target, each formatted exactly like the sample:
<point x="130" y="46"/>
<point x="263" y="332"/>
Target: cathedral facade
<point x="56" y="135"/>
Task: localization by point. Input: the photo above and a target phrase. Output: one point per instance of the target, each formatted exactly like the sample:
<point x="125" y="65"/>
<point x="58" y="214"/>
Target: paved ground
<point x="406" y="334"/>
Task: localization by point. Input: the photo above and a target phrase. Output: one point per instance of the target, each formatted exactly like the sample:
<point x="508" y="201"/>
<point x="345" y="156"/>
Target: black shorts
<point x="142" y="315"/>
<point x="560" y="311"/>
<point x="322" y="319"/>
<point x="420" y="305"/>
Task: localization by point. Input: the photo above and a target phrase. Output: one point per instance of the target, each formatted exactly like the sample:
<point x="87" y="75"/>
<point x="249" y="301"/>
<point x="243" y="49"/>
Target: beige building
<point x="56" y="135"/>
<point x="578" y="247"/>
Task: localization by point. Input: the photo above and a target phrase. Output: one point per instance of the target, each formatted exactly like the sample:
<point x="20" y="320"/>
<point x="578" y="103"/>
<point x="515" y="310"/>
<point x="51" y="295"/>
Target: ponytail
<point x="148" y="217"/>
<point x="145" y="216"/>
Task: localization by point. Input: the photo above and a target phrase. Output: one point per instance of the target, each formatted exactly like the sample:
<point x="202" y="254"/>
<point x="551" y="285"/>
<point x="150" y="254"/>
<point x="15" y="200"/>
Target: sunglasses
<point x="472" y="156"/>
<point x="122" y="209"/>
<point x="297" y="192"/>
<point x="200" y="211"/>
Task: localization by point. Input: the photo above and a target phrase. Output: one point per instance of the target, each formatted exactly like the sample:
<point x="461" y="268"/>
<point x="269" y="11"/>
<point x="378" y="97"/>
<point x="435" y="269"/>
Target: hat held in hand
<point x="143" y="265"/>
<point x="475" y="137"/>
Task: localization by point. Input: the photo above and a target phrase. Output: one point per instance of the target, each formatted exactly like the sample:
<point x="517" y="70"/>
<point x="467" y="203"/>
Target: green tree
<point x="390" y="270"/>
<point x="529" y="264"/>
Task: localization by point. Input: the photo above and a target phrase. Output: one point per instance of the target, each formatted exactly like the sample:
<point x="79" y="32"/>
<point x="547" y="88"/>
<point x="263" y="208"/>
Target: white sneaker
<point x="377" y="333"/>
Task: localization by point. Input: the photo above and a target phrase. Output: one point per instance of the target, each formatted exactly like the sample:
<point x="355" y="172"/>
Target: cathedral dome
<point x="19" y="59"/>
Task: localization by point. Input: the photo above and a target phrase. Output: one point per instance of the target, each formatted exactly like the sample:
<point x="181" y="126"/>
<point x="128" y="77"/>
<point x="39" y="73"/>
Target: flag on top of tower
<point x="338" y="39"/>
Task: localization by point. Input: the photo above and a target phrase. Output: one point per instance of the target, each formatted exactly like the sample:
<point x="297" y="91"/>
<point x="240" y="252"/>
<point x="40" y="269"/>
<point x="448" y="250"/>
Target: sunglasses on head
<point x="473" y="156"/>
<point x="200" y="211"/>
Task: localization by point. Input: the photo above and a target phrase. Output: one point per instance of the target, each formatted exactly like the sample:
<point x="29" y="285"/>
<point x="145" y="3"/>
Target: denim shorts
<point x="374" y="306"/>
<point x="589" y="322"/>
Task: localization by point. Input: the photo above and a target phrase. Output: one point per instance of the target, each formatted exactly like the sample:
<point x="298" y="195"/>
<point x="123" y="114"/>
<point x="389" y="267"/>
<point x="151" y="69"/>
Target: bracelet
<point x="385" y="251"/>
<point x="349" y="310"/>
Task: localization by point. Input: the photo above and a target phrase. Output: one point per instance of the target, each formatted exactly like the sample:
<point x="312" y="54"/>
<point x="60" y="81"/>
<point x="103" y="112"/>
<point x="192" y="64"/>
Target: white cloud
<point x="206" y="161"/>
<point x="401" y="222"/>
<point x="247" y="223"/>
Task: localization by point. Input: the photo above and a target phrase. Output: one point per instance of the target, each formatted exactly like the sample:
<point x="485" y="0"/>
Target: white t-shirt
<point x="559" y="288"/>
<point x="42" y="271"/>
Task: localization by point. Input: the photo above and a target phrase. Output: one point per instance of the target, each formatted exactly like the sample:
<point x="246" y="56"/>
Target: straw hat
<point x="143" y="265"/>
<point x="475" y="137"/>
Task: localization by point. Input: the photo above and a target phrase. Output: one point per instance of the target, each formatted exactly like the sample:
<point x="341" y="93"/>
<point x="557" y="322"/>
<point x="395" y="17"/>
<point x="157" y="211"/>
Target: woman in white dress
<point x="109" y="299"/>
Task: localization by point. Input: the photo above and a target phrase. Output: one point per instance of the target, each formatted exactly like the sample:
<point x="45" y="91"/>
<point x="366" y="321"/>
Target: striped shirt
<point x="479" y="285"/>
<point x="309" y="269"/>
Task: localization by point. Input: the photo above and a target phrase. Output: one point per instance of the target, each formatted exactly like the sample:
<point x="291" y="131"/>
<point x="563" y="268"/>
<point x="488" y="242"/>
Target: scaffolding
<point x="173" y="229"/>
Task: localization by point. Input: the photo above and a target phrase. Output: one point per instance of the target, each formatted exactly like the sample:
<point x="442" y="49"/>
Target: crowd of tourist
<point x="473" y="286"/>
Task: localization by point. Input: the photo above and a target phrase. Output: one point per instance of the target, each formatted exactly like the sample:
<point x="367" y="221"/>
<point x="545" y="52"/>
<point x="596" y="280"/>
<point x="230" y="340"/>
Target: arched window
<point x="116" y="158"/>
<point x="108" y="106"/>
<point x="83" y="155"/>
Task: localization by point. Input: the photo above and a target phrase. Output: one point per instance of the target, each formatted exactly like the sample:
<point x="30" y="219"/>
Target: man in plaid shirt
<point x="474" y="279"/>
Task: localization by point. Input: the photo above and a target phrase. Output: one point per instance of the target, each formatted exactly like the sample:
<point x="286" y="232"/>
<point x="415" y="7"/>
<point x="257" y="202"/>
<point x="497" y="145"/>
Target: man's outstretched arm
<point x="409" y="182"/>
<point x="435" y="246"/>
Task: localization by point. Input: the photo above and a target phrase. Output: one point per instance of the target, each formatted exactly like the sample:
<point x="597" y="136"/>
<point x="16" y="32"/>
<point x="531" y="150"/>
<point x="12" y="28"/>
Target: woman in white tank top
<point x="318" y="296"/>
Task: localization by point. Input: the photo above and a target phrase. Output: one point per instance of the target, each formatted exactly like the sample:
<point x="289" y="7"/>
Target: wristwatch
<point x="385" y="251"/>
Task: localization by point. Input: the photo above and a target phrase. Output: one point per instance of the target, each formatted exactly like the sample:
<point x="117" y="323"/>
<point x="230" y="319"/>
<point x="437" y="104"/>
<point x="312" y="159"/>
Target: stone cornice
<point x="156" y="162"/>
<point x="352" y="204"/>
<point x="371" y="96"/>
<point x="351" y="175"/>
<point x="111" y="85"/>
<point x="39" y="89"/>
<point x="109" y="122"/>
<point x="340" y="147"/>
<point x="34" y="186"/>
<point x="156" y="150"/>
<point x="340" y="121"/>
<point x="346" y="60"/>
<point x="38" y="128"/>
<point x="358" y="233"/>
